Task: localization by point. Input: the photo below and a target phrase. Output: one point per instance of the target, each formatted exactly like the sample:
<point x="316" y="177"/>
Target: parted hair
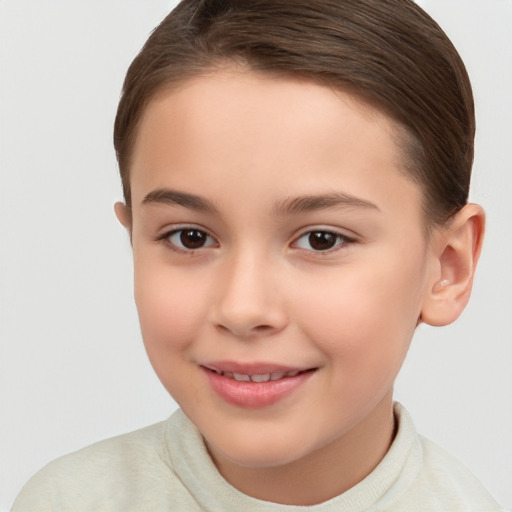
<point x="390" y="53"/>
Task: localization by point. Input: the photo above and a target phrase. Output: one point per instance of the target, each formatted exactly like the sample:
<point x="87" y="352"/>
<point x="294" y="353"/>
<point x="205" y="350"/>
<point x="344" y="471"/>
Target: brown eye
<point x="193" y="238"/>
<point x="189" y="239"/>
<point x="321" y="241"/>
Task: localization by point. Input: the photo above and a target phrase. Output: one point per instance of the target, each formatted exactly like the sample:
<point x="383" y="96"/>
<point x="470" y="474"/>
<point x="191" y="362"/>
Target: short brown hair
<point x="389" y="52"/>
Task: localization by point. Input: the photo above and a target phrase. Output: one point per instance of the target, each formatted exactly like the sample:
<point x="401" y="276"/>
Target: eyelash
<point x="339" y="237"/>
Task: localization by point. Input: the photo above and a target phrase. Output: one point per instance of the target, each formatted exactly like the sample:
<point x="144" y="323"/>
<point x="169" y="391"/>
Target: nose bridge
<point x="248" y="301"/>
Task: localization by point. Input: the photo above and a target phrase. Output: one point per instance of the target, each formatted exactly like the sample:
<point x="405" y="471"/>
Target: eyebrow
<point x="303" y="204"/>
<point x="176" y="198"/>
<point x="288" y="206"/>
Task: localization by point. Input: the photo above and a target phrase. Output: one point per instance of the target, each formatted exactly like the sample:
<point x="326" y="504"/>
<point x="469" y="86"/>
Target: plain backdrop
<point x="72" y="365"/>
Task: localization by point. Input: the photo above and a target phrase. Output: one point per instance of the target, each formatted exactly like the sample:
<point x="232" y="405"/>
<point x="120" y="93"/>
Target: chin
<point x="253" y="451"/>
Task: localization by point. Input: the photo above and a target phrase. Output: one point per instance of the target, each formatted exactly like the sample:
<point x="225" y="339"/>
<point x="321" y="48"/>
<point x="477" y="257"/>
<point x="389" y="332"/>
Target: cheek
<point x="365" y="317"/>
<point x="169" y="307"/>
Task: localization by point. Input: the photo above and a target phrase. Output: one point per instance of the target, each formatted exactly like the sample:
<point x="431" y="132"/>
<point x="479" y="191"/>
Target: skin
<point x="257" y="291"/>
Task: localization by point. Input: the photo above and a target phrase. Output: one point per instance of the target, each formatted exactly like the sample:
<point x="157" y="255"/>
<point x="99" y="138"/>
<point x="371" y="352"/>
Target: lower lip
<point x="255" y="394"/>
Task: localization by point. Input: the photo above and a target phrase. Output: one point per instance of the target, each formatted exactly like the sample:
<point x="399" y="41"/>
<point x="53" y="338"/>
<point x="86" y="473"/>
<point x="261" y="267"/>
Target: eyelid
<point x="181" y="226"/>
<point x="345" y="233"/>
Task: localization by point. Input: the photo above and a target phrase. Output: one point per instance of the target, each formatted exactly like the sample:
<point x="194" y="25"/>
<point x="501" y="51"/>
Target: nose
<point x="248" y="300"/>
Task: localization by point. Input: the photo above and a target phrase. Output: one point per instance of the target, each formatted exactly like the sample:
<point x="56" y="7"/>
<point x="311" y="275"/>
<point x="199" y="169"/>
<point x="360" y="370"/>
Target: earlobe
<point x="458" y="248"/>
<point x="123" y="215"/>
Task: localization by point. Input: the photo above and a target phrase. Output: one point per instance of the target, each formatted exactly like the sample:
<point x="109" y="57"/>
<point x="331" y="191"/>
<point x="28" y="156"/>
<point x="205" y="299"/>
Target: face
<point x="280" y="262"/>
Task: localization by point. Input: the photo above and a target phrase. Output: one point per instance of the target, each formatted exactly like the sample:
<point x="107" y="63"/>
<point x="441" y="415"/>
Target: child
<point x="295" y="178"/>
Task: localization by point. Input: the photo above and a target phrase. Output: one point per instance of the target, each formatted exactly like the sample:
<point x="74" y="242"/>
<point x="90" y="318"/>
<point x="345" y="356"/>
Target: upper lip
<point x="254" y="368"/>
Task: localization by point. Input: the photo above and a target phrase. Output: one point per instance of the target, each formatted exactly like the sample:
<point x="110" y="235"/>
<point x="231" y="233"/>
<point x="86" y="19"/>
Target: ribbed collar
<point x="387" y="482"/>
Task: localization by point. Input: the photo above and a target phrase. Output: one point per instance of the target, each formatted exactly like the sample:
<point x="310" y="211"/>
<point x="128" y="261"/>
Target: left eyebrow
<point x="302" y="204"/>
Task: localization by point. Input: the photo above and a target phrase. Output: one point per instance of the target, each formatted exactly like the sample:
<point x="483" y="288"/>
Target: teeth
<point x="241" y="377"/>
<point x="260" y="378"/>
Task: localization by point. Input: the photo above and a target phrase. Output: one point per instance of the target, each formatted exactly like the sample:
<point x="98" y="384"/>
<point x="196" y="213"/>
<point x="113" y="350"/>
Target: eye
<point x="321" y="240"/>
<point x="189" y="239"/>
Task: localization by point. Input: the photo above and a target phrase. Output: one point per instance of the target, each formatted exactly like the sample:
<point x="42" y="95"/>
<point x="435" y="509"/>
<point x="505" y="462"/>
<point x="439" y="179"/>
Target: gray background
<point x="72" y="365"/>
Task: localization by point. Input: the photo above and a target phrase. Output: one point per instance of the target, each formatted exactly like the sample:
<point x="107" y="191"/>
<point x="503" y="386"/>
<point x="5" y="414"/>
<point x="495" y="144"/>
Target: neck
<point x="324" y="474"/>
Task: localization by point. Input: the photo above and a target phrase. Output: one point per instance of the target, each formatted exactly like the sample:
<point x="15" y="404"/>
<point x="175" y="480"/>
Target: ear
<point x="123" y="215"/>
<point x="457" y="249"/>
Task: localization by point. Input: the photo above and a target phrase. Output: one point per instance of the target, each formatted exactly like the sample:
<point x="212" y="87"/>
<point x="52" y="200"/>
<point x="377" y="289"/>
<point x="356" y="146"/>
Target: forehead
<point x="263" y="133"/>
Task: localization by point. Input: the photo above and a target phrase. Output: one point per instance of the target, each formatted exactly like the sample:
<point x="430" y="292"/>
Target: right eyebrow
<point x="176" y="198"/>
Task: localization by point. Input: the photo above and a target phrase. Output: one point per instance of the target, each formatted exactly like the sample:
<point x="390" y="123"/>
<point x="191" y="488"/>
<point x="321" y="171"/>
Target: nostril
<point x="251" y="331"/>
<point x="222" y="328"/>
<point x="262" y="328"/>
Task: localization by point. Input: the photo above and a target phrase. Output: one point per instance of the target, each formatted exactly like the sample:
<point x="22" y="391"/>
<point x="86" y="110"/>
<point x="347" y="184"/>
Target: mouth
<point x="255" y="386"/>
<point x="258" y="377"/>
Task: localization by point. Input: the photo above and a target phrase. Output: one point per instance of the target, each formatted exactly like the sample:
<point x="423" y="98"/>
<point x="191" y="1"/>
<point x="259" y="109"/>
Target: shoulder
<point x="455" y="482"/>
<point x="104" y="473"/>
<point x="123" y="451"/>
<point x="439" y="480"/>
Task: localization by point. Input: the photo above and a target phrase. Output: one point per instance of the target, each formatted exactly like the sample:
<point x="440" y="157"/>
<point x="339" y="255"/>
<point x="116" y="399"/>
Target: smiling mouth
<point x="255" y="386"/>
<point x="264" y="377"/>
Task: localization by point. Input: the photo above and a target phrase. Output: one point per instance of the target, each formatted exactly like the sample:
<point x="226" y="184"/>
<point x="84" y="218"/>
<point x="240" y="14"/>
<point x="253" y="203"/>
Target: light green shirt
<point x="166" y="467"/>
